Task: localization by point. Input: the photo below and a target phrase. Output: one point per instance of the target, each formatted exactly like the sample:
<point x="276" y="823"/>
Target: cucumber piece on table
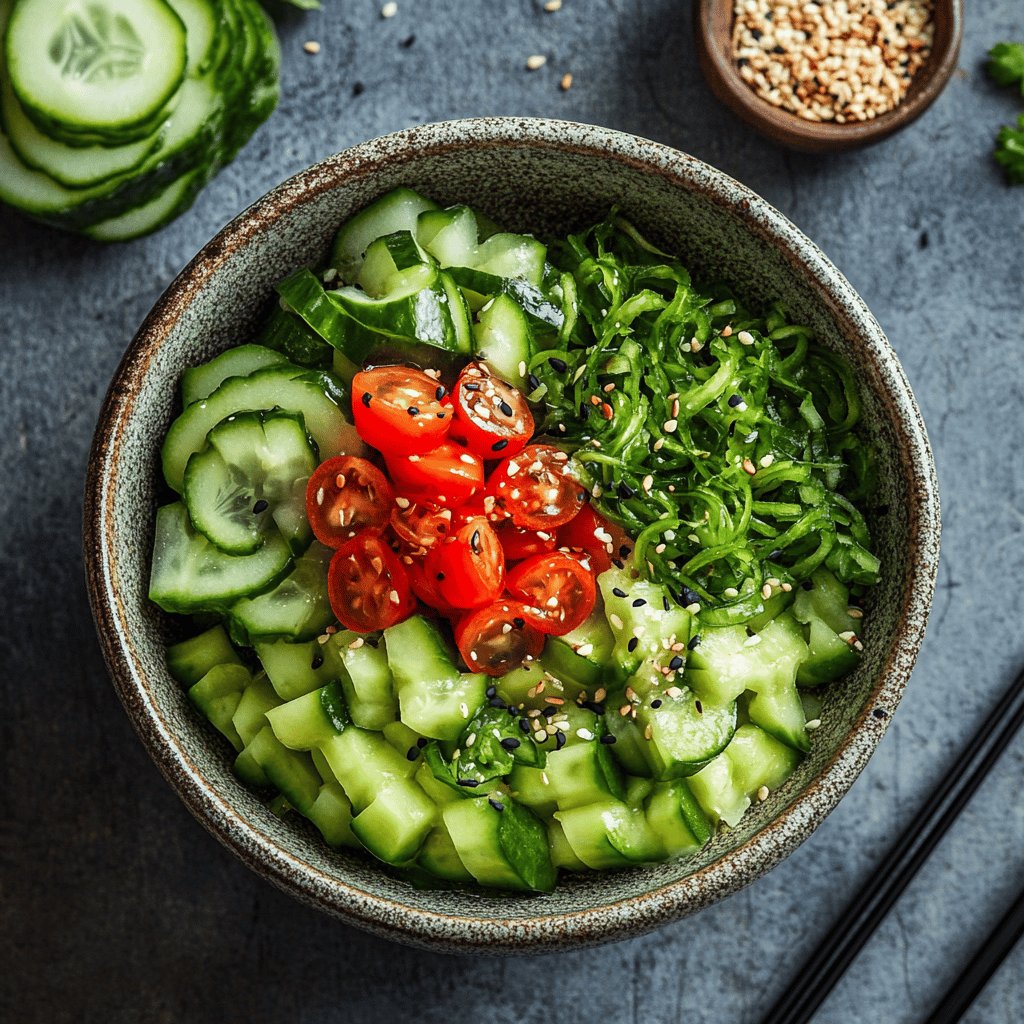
<point x="298" y="608"/>
<point x="171" y="201"/>
<point x="199" y="382"/>
<point x="396" y="211"/>
<point x="191" y="659"/>
<point x="249" y="482"/>
<point x="313" y="393"/>
<point x="107" y="68"/>
<point x="190" y="575"/>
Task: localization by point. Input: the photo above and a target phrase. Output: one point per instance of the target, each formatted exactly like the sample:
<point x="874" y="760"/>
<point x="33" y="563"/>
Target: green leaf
<point x="1010" y="152"/>
<point x="1006" y="64"/>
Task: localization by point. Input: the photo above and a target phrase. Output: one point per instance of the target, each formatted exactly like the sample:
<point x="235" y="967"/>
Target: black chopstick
<point x="983" y="965"/>
<point x="868" y="908"/>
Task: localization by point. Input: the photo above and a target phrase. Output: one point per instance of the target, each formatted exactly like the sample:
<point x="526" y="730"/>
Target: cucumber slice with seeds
<point x="250" y="480"/>
<point x="199" y="382"/>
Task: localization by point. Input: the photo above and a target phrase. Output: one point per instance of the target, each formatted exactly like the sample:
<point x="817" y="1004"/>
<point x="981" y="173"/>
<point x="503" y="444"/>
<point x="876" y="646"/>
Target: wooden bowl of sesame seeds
<point x="831" y="74"/>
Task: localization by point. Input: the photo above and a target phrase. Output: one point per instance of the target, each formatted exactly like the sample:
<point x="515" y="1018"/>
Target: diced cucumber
<point x="397" y="821"/>
<point x="478" y="286"/>
<point x="402" y="738"/>
<point x="190" y="575"/>
<point x="385" y="261"/>
<point x="434" y="698"/>
<point x="364" y="763"/>
<point x="532" y="788"/>
<point x="294" y="669"/>
<point x="287" y="334"/>
<point x="217" y="695"/>
<point x="458" y="310"/>
<point x="311" y="720"/>
<point x="630" y="746"/>
<point x="583" y="773"/>
<point x="332" y="814"/>
<point x="562" y="854"/>
<point x="190" y="660"/>
<point x="610" y="834"/>
<point x="439" y="856"/>
<point x="199" y="382"/>
<point x="438" y="791"/>
<point x="580" y="656"/>
<point x="827" y="600"/>
<point x="298" y="608"/>
<point x="251" y="714"/>
<point x="640" y="628"/>
<point x="313" y="393"/>
<point x="503" y="338"/>
<point x="684" y="733"/>
<point x="367" y="682"/>
<point x="396" y="211"/>
<point x="829" y="657"/>
<point x="450" y="236"/>
<point x="507" y="848"/>
<point x="249" y="482"/>
<point x="676" y="817"/>
<point x="506" y="255"/>
<point x="108" y="67"/>
<point x="290" y="771"/>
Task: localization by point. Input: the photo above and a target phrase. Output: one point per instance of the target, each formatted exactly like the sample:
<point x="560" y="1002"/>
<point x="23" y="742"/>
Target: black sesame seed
<point x="474" y="542"/>
<point x="261" y="506"/>
<point x="440" y="415"/>
<point x="421" y="742"/>
<point x="412" y="753"/>
<point x="505" y="408"/>
<point x="608" y="739"/>
<point x="440" y="392"/>
<point x="688" y="596"/>
<point x="732" y="428"/>
<point x="639" y="603"/>
<point x="558" y="365"/>
<point x="512" y="711"/>
<point x="499" y="446"/>
<point x="559" y="740"/>
<point x="656" y="703"/>
<point x="366" y="399"/>
<point x="624" y="551"/>
<point x="625" y="491"/>
<point x="631" y="646"/>
<point x="472" y="386"/>
<point x="468" y="783"/>
<point x="318" y="660"/>
<point x="618" y="592"/>
<point x="440" y="577"/>
<point x="524" y="725"/>
<point x="373" y="641"/>
<point x="534" y="381"/>
<point x="807" y="585"/>
<point x="497" y="702"/>
<point x="550" y="711"/>
<point x="734" y="400"/>
<point x="675" y="663"/>
<point x="510" y="743"/>
<point x="700" y="707"/>
<point x="694" y="643"/>
<point x="491" y="691"/>
<point x="518" y="622"/>
<point x="617" y="564"/>
<point x="584" y="410"/>
<point x="413" y="410"/>
<point x="665" y="604"/>
<point x="496" y="804"/>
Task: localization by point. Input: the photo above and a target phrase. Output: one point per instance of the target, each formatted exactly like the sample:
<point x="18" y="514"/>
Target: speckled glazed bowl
<point x="540" y="176"/>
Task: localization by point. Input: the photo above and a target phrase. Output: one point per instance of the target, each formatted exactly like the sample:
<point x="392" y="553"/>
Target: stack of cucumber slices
<point x="116" y="113"/>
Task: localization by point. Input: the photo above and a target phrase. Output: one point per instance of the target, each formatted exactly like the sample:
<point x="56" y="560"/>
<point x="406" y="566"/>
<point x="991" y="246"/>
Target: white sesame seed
<point x="584" y="734"/>
<point x="389" y="10"/>
<point x="312" y="46"/>
<point x="766" y="460"/>
<point x="744" y="338"/>
<point x="566" y="83"/>
<point x="669" y="426"/>
<point x="762" y="794"/>
<point x="615" y="620"/>
<point x="814" y="723"/>
<point x="553" y="5"/>
<point x="538" y="60"/>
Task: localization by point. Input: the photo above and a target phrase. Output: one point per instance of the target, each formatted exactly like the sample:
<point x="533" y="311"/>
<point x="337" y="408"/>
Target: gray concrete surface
<point x="117" y="907"/>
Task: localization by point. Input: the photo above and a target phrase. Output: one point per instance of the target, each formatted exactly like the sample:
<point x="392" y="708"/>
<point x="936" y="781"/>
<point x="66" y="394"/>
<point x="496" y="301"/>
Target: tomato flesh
<point x="449" y="475"/>
<point x="420" y="524"/>
<point x="486" y="645"/>
<point x="425" y="586"/>
<point x="558" y="590"/>
<point x="345" y="495"/>
<point x="537" y="488"/>
<point x="519" y="543"/>
<point x="400" y="410"/>
<point x="469" y="567"/>
<point x="492" y="417"/>
<point x="589" y="531"/>
<point x="368" y="585"/>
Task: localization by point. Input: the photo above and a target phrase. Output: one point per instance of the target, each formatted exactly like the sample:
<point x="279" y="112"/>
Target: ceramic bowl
<point x="545" y="177"/>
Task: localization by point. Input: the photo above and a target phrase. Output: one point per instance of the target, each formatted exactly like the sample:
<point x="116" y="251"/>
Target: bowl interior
<point x="548" y="178"/>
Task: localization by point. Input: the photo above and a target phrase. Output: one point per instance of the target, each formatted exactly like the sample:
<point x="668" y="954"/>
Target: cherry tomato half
<point x="425" y="586"/>
<point x="537" y="488"/>
<point x="400" y="410"/>
<point x="589" y="531"/>
<point x="470" y="566"/>
<point x="519" y="543"/>
<point x="368" y="586"/>
<point x="486" y="645"/>
<point x="449" y="475"/>
<point x="347" y="494"/>
<point x="492" y="417"/>
<point x="420" y="524"/>
<point x="559" y="586"/>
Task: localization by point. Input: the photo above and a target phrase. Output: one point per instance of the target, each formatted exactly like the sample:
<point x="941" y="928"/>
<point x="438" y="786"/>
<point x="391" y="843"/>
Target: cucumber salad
<point x="500" y="558"/>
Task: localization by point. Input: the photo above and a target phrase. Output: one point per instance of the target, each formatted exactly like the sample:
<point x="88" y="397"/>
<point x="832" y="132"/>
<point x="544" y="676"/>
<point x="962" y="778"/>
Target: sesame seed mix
<point x="842" y="61"/>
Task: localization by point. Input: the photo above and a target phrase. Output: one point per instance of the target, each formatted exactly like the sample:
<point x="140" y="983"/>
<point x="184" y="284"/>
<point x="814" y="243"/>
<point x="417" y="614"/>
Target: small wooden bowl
<point x="713" y="21"/>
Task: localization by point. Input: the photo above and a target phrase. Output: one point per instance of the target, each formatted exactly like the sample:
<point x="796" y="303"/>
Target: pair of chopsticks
<point x="868" y="908"/>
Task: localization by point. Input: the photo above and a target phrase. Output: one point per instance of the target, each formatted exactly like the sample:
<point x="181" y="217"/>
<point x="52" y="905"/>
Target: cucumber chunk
<point x="107" y="68"/>
<point x="439" y="856"/>
<point x="331" y="812"/>
<point x="677" y="818"/>
<point x="364" y="763"/>
<point x="199" y="382"/>
<point x="367" y="682"/>
<point x="609" y="834"/>
<point x="504" y="339"/>
<point x="395" y="824"/>
<point x="829" y="657"/>
<point x="313" y="393"/>
<point x="191" y="659"/>
<point x="450" y="236"/>
<point x="249" y="482"/>
<point x="218" y="694"/>
<point x="190" y="575"/>
<point x="296" y="668"/>
<point x="251" y="714"/>
<point x="580" y="656"/>
<point x="290" y="771"/>
<point x="310" y="720"/>
<point x="582" y="774"/>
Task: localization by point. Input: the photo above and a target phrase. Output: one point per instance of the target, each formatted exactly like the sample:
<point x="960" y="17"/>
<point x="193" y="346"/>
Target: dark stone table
<point x="117" y="907"/>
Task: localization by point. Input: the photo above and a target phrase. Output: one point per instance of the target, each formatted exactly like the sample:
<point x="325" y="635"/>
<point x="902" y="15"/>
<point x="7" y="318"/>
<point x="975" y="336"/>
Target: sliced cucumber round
<point x="314" y="393"/>
<point x="160" y="210"/>
<point x="191" y="575"/>
<point x="200" y="382"/>
<point x="108" y="67"/>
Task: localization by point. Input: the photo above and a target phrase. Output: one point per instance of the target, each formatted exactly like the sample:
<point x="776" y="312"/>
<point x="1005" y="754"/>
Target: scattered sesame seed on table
<point x="832" y="60"/>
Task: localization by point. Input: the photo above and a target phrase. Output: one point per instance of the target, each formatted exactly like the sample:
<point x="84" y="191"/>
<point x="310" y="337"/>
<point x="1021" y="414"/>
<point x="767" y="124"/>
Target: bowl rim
<point x="714" y="53"/>
<point x="611" y="920"/>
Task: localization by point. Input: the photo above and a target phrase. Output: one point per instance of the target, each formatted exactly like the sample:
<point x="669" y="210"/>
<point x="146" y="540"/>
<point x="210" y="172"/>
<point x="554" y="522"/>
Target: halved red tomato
<point x="347" y="494"/>
<point x="425" y="586"/>
<point x="537" y="488"/>
<point x="368" y="585"/>
<point x="498" y="638"/>
<point x="519" y="543"/>
<point x="493" y="418"/>
<point x="400" y="410"/>
<point x="469" y="566"/>
<point x="420" y="524"/>
<point x="589" y="531"/>
<point x="449" y="475"/>
<point x="559" y="587"/>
